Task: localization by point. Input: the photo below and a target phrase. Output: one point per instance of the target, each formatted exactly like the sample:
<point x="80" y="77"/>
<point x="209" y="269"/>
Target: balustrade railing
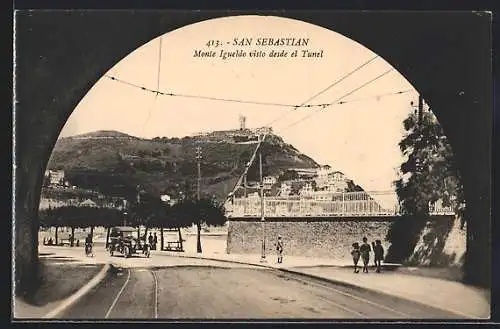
<point x="341" y="205"/>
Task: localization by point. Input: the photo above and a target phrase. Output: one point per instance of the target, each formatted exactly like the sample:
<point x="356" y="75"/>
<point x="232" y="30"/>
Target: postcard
<point x="291" y="165"/>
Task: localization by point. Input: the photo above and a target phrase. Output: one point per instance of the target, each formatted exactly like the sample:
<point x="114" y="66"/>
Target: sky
<point x="359" y="138"/>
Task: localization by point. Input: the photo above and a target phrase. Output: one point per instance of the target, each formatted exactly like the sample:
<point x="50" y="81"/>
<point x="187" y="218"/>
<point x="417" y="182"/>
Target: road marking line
<point x="354" y="297"/>
<point x="156" y="295"/>
<point x="118" y="296"/>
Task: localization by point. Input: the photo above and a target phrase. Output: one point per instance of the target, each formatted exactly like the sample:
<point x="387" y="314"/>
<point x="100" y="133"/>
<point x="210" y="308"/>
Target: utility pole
<point x="245" y="185"/>
<point x="245" y="200"/>
<point x="420" y="120"/>
<point x="262" y="217"/>
<point x="198" y="160"/>
<point x="420" y="109"/>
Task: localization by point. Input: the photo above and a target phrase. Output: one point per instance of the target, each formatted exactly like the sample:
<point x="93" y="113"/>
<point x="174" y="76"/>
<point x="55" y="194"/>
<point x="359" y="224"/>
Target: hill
<point x="115" y="163"/>
<point x="101" y="134"/>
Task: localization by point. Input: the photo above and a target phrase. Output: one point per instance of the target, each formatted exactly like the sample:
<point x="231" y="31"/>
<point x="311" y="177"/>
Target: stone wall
<point x="325" y="239"/>
<point x="441" y="242"/>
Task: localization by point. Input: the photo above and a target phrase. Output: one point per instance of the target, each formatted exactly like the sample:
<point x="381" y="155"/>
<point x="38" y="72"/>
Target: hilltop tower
<point x="243" y="120"/>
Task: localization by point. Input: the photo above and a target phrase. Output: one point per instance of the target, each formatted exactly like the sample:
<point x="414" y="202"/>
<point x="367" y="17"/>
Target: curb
<point x="71" y="300"/>
<point x="246" y="263"/>
<point x="339" y="282"/>
<point x="219" y="260"/>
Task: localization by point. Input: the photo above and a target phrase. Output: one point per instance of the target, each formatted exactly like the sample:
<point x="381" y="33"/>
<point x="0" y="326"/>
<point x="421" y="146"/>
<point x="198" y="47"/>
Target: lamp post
<point x="262" y="217"/>
<point x="198" y="189"/>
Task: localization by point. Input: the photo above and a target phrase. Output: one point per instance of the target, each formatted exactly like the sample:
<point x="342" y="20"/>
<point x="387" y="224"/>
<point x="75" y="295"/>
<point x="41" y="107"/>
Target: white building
<point x="269" y="181"/>
<point x="336" y="176"/>
<point x="56" y="177"/>
<point x="285" y="189"/>
<point x="337" y="182"/>
<point x="322" y="195"/>
<point x="307" y="190"/>
<point x="323" y="171"/>
<point x="322" y="176"/>
<point x="263" y="130"/>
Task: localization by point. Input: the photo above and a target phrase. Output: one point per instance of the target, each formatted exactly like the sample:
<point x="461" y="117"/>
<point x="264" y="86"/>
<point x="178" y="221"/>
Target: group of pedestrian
<point x="364" y="251"/>
<point x="358" y="251"/>
<point x="153" y="241"/>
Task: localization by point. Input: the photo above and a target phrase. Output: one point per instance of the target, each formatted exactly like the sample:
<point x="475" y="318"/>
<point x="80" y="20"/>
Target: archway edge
<point x="53" y="73"/>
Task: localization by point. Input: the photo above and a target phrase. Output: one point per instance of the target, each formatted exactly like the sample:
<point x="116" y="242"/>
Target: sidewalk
<point x="451" y="296"/>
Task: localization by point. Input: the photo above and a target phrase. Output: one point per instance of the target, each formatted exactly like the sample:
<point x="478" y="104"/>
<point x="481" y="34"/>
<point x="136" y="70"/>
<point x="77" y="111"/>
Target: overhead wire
<point x="325" y="89"/>
<point x="378" y="96"/>
<point x="157" y="87"/>
<point x="318" y="107"/>
<point x="240" y="180"/>
<point x="163" y="93"/>
<point x="292" y="106"/>
<point x="114" y="78"/>
<point x="335" y="102"/>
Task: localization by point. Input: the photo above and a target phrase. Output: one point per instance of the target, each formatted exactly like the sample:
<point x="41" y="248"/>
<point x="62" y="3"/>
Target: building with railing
<point x="55" y="177"/>
<point x="359" y="204"/>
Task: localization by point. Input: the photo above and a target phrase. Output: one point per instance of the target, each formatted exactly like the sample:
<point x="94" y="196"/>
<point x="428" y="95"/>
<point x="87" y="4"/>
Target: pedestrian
<point x="279" y="249"/>
<point x="355" y="256"/>
<point x="150" y="239"/>
<point x="88" y="244"/>
<point x="373" y="248"/>
<point x="378" y="250"/>
<point x="365" y="250"/>
<point x="155" y="241"/>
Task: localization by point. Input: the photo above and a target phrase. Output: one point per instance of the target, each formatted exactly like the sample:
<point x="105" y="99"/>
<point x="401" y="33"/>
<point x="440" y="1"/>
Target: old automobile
<point x="123" y="241"/>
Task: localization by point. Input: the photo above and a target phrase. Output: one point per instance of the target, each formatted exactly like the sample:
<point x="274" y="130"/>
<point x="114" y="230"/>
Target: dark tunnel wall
<point x="61" y="54"/>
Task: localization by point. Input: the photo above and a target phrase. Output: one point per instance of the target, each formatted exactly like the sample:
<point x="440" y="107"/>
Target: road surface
<point x="221" y="291"/>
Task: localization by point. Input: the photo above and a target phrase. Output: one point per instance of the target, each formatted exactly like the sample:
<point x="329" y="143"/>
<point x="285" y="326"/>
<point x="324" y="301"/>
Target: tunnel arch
<point x="458" y="89"/>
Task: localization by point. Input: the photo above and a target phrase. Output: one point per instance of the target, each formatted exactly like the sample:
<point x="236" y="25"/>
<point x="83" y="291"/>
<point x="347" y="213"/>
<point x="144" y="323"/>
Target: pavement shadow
<point x="58" y="279"/>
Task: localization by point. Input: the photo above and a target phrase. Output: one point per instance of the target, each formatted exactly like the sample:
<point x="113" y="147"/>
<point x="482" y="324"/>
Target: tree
<point x="430" y="172"/>
<point x="182" y="214"/>
<point x="208" y="211"/>
<point x="162" y="221"/>
<point x="47" y="219"/>
<point x="110" y="218"/>
<point x="147" y="211"/>
<point x="51" y="218"/>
